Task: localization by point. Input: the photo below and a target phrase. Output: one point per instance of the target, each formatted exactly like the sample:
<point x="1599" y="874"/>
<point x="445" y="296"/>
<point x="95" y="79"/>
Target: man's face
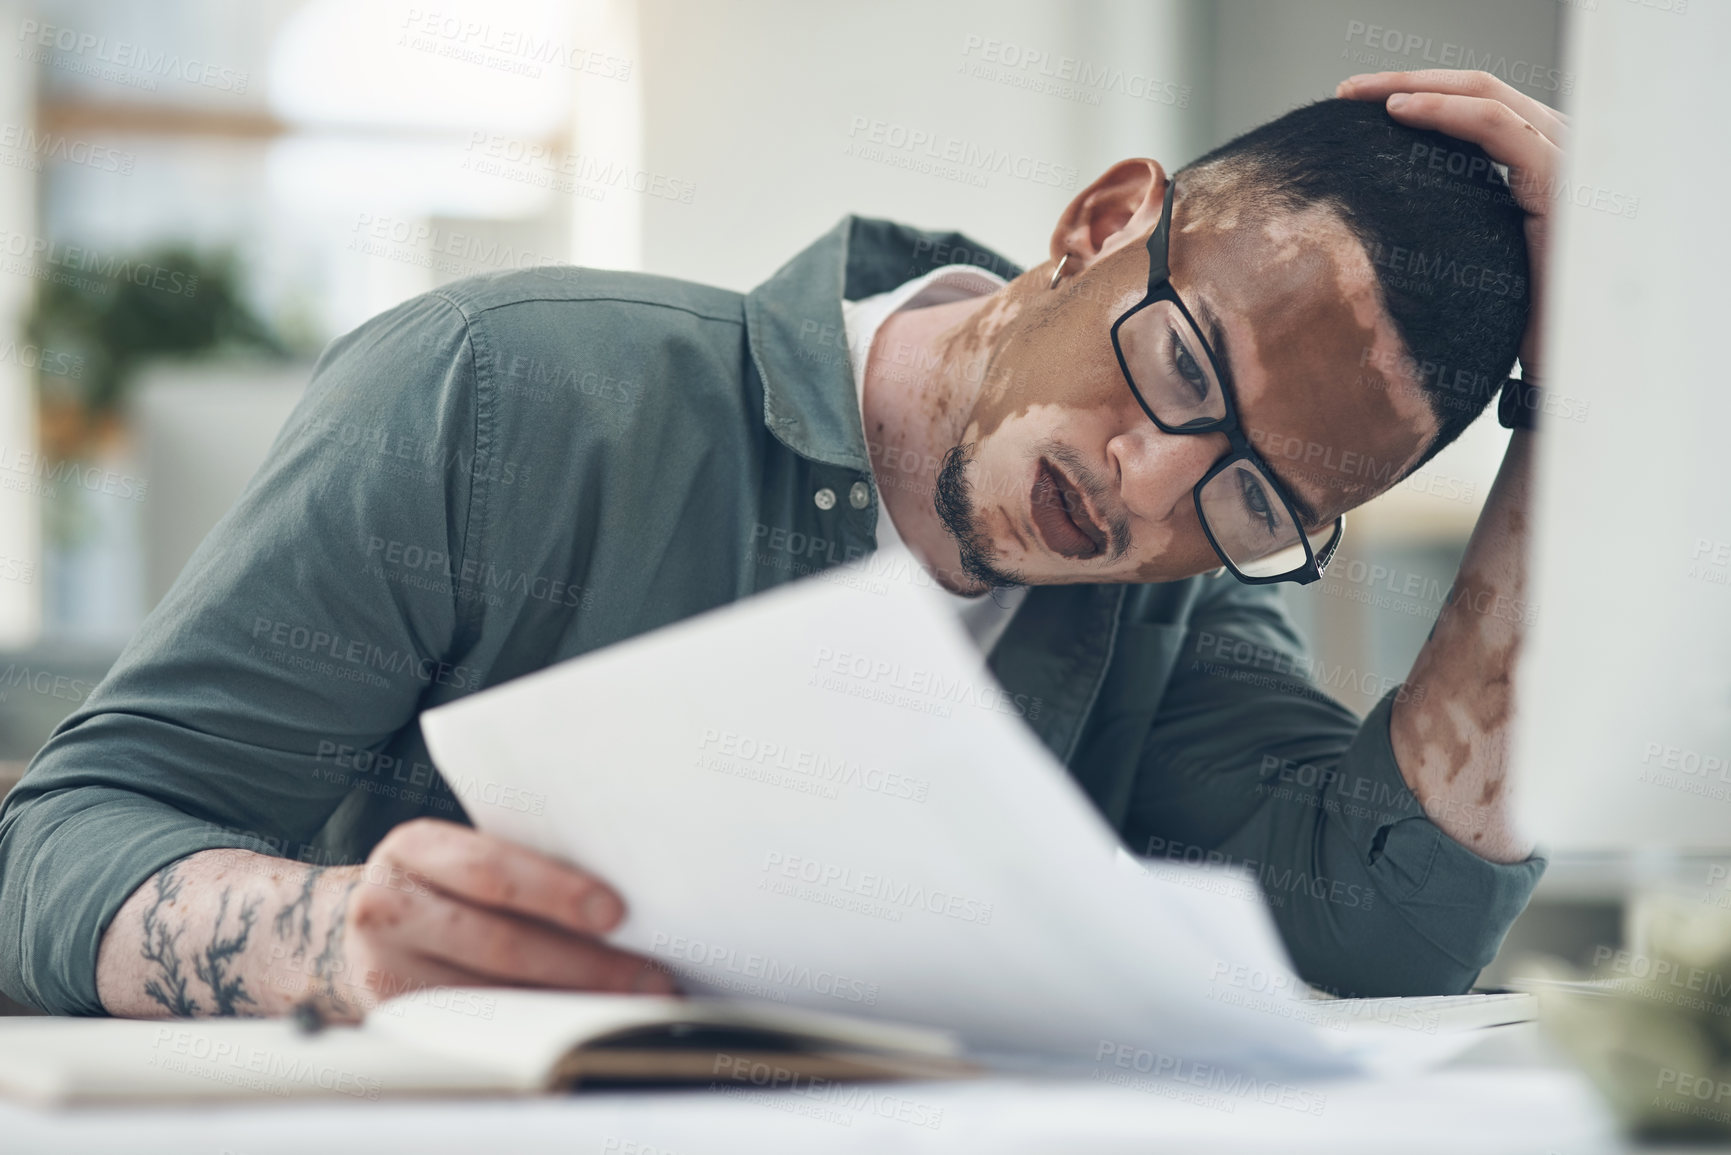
<point x="1311" y="354"/>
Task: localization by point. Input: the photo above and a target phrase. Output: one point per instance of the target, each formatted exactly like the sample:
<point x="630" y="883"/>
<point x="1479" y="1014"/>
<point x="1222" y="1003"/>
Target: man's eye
<point x="1255" y="498"/>
<point x="1185" y="367"/>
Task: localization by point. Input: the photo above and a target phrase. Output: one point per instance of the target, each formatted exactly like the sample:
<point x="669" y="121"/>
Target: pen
<point x="308" y="1019"/>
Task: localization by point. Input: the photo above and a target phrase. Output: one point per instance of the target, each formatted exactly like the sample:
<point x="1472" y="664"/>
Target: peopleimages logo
<point x="1277" y="882"/>
<point x="51" y="362"/>
<point x="45" y="145"/>
<point x="365" y="656"/>
<point x="498" y="155"/>
<point x="44" y="682"/>
<point x="1066" y="77"/>
<point x="522" y="51"/>
<point x="733" y="752"/>
<point x="219" y="1059"/>
<point x="422" y="243"/>
<point x="772" y="973"/>
<point x="54" y="255"/>
<point x="123" y="54"/>
<point x="893" y="894"/>
<point x="1227" y="1085"/>
<point x="829" y="1100"/>
<point x="38" y="466"/>
<point x="1364" y="41"/>
<point x="915" y="146"/>
<point x="931" y="691"/>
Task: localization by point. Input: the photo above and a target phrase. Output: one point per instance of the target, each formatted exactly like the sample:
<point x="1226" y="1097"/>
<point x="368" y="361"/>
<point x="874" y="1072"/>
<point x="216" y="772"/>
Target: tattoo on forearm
<point x="168" y="986"/>
<point x="213" y="967"/>
<point x="330" y="960"/>
<point x="303" y="907"/>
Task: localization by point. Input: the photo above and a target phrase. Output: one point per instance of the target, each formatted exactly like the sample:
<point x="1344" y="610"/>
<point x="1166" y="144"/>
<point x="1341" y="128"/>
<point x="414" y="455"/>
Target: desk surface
<point x="1497" y="1099"/>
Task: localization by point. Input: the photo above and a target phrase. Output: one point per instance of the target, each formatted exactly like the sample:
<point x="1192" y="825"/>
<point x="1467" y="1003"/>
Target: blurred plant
<point x="169" y="301"/>
<point x="1651" y="1025"/>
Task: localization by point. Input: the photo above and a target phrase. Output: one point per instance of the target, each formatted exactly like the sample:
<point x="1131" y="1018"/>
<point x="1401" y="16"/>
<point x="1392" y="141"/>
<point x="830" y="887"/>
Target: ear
<point x="1121" y="206"/>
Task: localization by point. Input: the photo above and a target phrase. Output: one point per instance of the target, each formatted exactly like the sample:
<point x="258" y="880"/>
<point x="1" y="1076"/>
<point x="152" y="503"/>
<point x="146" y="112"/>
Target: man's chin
<point x="983" y="569"/>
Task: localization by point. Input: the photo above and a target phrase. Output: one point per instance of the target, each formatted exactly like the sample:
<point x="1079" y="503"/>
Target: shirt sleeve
<point x="281" y="641"/>
<point x="1250" y="761"/>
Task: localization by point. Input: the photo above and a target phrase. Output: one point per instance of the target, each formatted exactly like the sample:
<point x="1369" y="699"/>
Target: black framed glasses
<point x="1248" y="515"/>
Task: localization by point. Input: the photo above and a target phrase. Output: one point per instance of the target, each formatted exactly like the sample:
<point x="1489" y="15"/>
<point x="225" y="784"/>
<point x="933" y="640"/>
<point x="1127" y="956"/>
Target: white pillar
<point x="20" y="508"/>
<point x="607" y="129"/>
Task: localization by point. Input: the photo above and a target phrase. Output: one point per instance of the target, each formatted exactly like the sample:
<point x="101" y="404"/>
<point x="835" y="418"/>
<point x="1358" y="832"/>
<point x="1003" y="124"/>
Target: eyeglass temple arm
<point x="1324" y="553"/>
<point x="1159" y="243"/>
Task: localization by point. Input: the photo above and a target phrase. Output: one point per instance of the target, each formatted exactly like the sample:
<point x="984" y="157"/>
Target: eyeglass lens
<point x="1172" y="372"/>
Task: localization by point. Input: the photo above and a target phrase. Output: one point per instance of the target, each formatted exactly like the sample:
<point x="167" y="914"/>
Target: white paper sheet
<point x="819" y="796"/>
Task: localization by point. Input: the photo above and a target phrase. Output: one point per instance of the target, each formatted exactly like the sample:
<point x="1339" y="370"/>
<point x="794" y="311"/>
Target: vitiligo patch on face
<point x="1303" y="317"/>
<point x="971" y="344"/>
<point x="1042" y="353"/>
<point x="1356" y="282"/>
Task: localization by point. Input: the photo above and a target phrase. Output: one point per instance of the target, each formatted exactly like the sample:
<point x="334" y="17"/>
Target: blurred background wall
<point x="196" y="195"/>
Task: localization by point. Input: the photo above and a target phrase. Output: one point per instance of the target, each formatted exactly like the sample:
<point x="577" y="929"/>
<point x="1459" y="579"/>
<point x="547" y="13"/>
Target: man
<point x="516" y="469"/>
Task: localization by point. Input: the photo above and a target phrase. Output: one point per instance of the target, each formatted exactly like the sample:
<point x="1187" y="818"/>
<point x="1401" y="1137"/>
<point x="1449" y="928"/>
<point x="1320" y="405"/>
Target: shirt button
<point x="825" y="498"/>
<point x="860" y="495"/>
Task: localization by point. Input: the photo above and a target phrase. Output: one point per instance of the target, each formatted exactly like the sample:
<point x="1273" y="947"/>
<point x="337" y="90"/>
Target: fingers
<point x="480" y="869"/>
<point x="499" y="911"/>
<point x="411" y="971"/>
<point x="1457" y="82"/>
<point x="435" y="939"/>
<point x="1533" y="160"/>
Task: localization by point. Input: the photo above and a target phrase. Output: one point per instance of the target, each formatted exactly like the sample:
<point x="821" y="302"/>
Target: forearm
<point x="1451" y="738"/>
<point x="229" y="932"/>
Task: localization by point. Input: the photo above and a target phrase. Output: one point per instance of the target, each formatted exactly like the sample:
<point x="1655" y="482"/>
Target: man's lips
<point x="1061" y="516"/>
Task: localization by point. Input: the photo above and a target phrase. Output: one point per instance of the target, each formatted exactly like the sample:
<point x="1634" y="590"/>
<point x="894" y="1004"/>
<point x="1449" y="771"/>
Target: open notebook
<point x="510" y="1042"/>
<point x="463" y="1041"/>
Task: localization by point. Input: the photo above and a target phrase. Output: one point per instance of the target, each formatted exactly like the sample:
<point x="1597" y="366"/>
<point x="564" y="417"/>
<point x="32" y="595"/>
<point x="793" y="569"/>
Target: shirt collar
<point x="798" y="340"/>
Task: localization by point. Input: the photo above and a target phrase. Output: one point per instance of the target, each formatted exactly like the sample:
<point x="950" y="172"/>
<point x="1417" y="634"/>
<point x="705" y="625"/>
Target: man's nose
<point x="1157" y="470"/>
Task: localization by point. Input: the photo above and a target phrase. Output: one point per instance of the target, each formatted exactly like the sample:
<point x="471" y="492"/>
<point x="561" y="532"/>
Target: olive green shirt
<point x="521" y="467"/>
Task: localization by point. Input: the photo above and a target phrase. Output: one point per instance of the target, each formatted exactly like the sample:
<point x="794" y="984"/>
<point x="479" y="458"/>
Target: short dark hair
<point x="1436" y="218"/>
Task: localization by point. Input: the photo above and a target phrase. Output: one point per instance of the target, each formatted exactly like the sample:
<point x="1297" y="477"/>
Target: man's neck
<point x="922" y="378"/>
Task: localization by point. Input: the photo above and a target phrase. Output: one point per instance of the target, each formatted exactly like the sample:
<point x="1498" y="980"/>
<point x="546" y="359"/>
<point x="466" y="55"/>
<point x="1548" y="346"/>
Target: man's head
<point x="1367" y="283"/>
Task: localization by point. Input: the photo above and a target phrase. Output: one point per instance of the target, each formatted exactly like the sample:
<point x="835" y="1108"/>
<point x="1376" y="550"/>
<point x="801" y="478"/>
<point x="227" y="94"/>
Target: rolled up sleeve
<point x="1251" y="761"/>
<point x="282" y="640"/>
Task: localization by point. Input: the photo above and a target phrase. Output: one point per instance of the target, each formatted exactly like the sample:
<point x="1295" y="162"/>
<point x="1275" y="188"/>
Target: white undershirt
<point x="987" y="616"/>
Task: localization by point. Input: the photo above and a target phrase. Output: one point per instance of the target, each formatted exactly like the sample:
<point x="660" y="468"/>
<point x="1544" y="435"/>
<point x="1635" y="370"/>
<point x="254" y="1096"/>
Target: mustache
<point x="1100" y="495"/>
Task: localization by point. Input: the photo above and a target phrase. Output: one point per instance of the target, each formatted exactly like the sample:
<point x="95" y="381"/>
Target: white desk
<point x="1504" y="1097"/>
